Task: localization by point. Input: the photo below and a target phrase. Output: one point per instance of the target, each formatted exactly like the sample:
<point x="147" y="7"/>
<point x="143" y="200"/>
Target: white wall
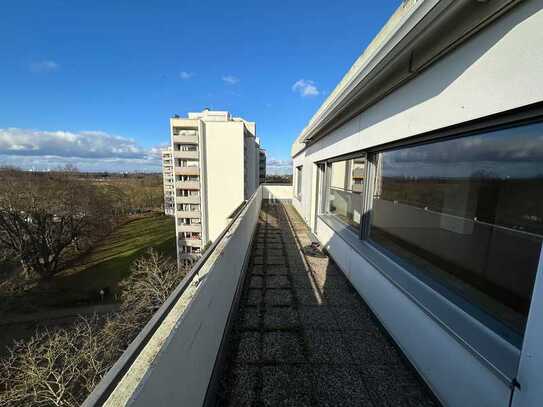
<point x="499" y="69"/>
<point x="252" y="166"/>
<point x="180" y="373"/>
<point x="278" y="192"/>
<point x="306" y="207"/>
<point x="224" y="173"/>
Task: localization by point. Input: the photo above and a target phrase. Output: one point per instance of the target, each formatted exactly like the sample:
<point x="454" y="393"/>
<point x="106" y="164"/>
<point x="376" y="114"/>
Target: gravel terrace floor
<point x="304" y="337"/>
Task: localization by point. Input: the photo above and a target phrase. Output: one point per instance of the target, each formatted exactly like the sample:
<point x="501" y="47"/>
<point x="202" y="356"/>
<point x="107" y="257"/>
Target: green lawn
<point x="109" y="262"/>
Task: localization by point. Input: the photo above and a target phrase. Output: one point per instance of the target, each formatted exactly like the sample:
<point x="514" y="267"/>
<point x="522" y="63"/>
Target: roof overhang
<point x="419" y="33"/>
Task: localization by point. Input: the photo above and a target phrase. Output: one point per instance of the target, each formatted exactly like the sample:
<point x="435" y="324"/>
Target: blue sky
<point x="94" y="83"/>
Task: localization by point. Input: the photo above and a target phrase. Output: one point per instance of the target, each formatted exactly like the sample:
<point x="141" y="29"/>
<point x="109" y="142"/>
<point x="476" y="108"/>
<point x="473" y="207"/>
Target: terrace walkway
<point x="303" y="336"/>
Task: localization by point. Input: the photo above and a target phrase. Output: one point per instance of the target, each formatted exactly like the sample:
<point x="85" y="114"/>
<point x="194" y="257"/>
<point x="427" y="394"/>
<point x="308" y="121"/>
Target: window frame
<point x="444" y="289"/>
<point x="458" y="316"/>
<point x="324" y="207"/>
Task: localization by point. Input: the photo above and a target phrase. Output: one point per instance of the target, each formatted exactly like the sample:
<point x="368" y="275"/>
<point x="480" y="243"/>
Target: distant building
<point x="262" y="163"/>
<point x="168" y="181"/>
<point x="216" y="161"/>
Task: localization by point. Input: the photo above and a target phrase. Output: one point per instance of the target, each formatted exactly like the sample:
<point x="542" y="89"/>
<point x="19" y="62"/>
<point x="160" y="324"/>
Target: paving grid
<point x="304" y="337"/>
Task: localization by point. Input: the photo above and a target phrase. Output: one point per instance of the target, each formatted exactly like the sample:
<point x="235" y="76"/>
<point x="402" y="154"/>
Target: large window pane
<point x="345" y="190"/>
<point x="469" y="212"/>
<point x="299" y="182"/>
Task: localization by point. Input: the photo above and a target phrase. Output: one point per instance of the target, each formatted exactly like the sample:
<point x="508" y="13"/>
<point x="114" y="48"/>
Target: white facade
<point x="438" y="69"/>
<point x="216" y="169"/>
<point x="168" y="181"/>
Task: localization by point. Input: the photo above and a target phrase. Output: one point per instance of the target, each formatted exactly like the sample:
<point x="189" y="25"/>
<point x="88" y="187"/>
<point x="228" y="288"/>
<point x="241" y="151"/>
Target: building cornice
<point x="419" y="33"/>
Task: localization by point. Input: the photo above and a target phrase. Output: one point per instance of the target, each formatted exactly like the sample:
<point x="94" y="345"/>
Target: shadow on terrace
<point x="302" y="335"/>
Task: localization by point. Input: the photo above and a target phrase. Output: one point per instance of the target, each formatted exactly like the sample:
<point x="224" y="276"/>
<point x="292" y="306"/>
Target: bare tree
<point x="55" y="367"/>
<point x="153" y="277"/>
<point x="43" y="215"/>
<point x="70" y="168"/>
<point x="61" y="367"/>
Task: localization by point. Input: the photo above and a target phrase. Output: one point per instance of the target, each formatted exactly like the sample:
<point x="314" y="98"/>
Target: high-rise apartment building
<point x="216" y="163"/>
<point x="168" y="181"/>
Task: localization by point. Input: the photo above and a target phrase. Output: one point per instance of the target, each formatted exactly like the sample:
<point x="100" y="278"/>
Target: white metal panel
<point x="181" y="371"/>
<point x="530" y="373"/>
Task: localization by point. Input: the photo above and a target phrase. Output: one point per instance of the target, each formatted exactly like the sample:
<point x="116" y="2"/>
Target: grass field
<point x="109" y="262"/>
<point x="102" y="268"/>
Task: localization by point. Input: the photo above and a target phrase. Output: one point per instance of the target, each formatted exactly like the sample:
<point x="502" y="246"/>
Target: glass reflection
<point x="469" y="212"/>
<point x="345" y="190"/>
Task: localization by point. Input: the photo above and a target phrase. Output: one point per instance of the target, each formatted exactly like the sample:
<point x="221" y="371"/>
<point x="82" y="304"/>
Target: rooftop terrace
<point x="303" y="336"/>
<point x="263" y="318"/>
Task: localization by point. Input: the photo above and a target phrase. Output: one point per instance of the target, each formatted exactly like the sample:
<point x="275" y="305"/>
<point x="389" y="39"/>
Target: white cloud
<point x="230" y="79"/>
<point x="185" y="75"/>
<point x="305" y="88"/>
<point x="278" y="167"/>
<point x="88" y="150"/>
<point x="44" y="66"/>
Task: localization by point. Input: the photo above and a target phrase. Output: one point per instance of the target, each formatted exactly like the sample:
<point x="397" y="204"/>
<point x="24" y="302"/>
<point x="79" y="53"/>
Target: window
<point x="299" y="182"/>
<point x="189" y="235"/>
<point x="344" y="190"/>
<point x="185" y="178"/>
<point x="187" y="163"/>
<point x="467" y="212"/>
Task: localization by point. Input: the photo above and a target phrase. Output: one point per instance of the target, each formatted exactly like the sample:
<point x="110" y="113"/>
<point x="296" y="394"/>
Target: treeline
<point x="279" y="179"/>
<point x="48" y="219"/>
<point x="134" y="195"/>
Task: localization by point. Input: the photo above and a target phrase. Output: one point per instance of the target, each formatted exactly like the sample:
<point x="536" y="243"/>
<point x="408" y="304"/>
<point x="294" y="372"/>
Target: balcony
<point x="189" y="214"/>
<point x="263" y="319"/>
<point x="191" y="155"/>
<point x="189" y="228"/>
<point x="190" y="242"/>
<point x="182" y="125"/>
<point x="187" y="171"/>
<point x="194" y="185"/>
<point x="191" y="199"/>
<point x="186" y="138"/>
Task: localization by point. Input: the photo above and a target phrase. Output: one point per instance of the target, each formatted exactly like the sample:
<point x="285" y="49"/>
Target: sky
<point x="94" y="83"/>
<point x="509" y="153"/>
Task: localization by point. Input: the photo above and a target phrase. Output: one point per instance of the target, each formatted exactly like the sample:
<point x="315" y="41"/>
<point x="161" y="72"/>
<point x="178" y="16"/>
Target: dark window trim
<point x="345" y="157"/>
<point x="500" y="121"/>
<point x="510" y="119"/>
